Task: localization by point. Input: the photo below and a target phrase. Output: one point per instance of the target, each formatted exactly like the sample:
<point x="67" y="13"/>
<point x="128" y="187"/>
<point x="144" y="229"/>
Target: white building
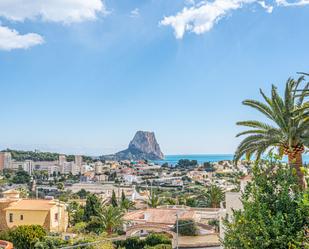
<point x="49" y="166"/>
<point x="26" y="166"/>
<point x="79" y="164"/>
<point x="75" y="167"/>
<point x="5" y="160"/>
<point x="232" y="202"/>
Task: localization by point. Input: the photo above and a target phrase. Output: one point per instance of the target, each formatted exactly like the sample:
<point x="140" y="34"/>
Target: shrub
<point x="130" y="243"/>
<point x="187" y="227"/>
<point x="25" y="237"/>
<point x="160" y="246"/>
<point x="275" y="211"/>
<point x="155" y="239"/>
<point x="152" y="241"/>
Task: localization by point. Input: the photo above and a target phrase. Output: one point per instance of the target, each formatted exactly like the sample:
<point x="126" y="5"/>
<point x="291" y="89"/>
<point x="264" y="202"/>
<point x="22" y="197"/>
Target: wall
<point x="29" y="217"/>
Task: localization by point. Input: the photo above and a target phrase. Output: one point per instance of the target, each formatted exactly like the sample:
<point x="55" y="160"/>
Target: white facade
<point x="232" y="202"/>
<point x="78" y="164"/>
<point x="5" y="160"/>
<point x="26" y="166"/>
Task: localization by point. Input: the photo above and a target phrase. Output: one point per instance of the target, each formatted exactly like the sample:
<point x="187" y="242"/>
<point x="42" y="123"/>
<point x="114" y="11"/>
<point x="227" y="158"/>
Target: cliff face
<point x="143" y="146"/>
<point x="146" y="142"/>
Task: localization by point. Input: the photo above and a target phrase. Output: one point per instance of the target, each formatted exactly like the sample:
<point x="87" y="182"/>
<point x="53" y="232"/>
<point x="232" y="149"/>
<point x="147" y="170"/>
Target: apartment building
<point x="5" y="160"/>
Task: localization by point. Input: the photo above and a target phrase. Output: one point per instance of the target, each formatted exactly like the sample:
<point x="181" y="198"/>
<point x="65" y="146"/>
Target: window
<point x="21" y="217"/>
<point x="56" y="217"/>
<point x="11" y="217"/>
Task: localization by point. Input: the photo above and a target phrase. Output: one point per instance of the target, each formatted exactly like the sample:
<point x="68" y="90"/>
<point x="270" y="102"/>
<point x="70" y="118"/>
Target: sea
<point x="201" y="158"/>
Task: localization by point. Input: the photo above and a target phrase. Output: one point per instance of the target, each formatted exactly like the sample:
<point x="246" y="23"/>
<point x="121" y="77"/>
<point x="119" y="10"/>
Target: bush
<point x="50" y="242"/>
<point x="152" y="241"/>
<point x="215" y="223"/>
<point x="275" y="211"/>
<point x="160" y="246"/>
<point x="25" y="237"/>
<point x="155" y="239"/>
<point x="79" y="227"/>
<point x="187" y="227"/>
<point x="130" y="243"/>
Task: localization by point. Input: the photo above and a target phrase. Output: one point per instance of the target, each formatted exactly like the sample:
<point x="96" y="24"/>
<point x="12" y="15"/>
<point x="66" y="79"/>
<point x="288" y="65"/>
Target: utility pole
<point x="176" y="230"/>
<point x="59" y="216"/>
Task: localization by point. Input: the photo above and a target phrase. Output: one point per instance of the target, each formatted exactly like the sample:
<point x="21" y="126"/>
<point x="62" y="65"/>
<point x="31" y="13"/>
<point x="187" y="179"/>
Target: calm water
<point x="173" y="159"/>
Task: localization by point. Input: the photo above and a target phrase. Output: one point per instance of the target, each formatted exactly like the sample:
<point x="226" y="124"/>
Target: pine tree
<point x="114" y="200"/>
<point x="123" y="196"/>
<point x="93" y="207"/>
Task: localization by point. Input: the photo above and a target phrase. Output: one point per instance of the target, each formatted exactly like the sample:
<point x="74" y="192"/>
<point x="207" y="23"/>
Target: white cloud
<point x="11" y="39"/>
<point x="65" y="11"/>
<point x="135" y="13"/>
<point x="288" y="4"/>
<point x="201" y="17"/>
<point x="267" y="7"/>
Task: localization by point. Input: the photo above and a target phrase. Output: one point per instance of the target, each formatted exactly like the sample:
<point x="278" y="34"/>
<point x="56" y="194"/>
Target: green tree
<point x="214" y="195"/>
<point x="60" y="186"/>
<point x="92" y="207"/>
<point x="126" y="204"/>
<point x="123" y="196"/>
<point x="288" y="130"/>
<point x="49" y="242"/>
<point x="114" y="200"/>
<point x="187" y="227"/>
<point x="275" y="212"/>
<point x="191" y="202"/>
<point x="153" y="199"/>
<point x="215" y="223"/>
<point x="209" y="167"/>
<point x="160" y="246"/>
<point x="130" y="243"/>
<point x="76" y="213"/>
<point x="26" y="236"/>
<point x="21" y="177"/>
<point x="170" y="201"/>
<point x="165" y="165"/>
<point x="23" y="192"/>
<point x="82" y="193"/>
<point x="154" y="239"/>
<point x="109" y="220"/>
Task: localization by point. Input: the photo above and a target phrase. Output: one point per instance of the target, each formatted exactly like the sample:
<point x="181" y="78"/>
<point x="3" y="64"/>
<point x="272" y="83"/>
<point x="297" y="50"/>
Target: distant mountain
<point x="143" y="146"/>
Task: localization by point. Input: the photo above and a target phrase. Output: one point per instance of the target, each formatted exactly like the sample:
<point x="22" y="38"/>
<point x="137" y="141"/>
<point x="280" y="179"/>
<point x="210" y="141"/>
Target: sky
<point x="83" y="76"/>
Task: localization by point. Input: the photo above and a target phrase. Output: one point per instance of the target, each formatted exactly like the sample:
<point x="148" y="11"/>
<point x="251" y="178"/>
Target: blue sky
<point x="82" y="77"/>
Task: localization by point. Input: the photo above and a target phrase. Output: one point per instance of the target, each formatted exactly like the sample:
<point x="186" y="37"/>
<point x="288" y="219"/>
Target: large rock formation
<point x="143" y="146"/>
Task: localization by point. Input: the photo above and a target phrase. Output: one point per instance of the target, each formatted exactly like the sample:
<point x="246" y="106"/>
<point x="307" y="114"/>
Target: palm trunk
<point x="109" y="230"/>
<point x="296" y="162"/>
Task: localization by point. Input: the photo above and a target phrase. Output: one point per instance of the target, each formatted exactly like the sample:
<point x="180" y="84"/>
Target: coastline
<point x="201" y="158"/>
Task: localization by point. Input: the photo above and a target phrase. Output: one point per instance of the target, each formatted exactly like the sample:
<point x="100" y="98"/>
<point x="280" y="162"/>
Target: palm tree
<point x="153" y="200"/>
<point x="111" y="218"/>
<point x="126" y="204"/>
<point x="214" y="196"/>
<point x="289" y="128"/>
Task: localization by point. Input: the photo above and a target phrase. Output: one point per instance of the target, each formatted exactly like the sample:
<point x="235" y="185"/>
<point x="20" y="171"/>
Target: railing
<point x="6" y="244"/>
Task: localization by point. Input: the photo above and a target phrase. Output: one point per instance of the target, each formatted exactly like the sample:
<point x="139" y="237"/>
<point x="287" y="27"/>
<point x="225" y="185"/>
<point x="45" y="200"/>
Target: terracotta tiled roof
<point x="31" y="205"/>
<point x="11" y="191"/>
